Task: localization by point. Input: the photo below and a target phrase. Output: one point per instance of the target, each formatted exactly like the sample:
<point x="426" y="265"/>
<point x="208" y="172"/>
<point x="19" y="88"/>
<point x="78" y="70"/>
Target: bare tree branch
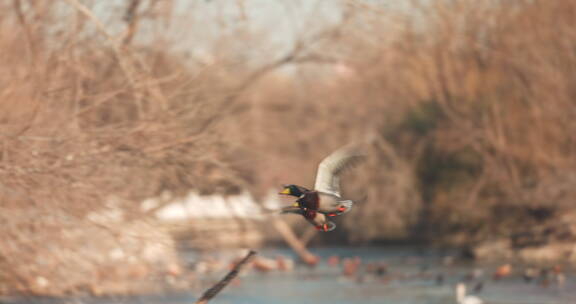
<point x="131" y="17"/>
<point x="214" y="290"/>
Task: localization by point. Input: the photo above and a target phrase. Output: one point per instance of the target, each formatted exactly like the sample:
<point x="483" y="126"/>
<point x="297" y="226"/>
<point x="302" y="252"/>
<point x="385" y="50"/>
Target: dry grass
<point x="91" y="123"/>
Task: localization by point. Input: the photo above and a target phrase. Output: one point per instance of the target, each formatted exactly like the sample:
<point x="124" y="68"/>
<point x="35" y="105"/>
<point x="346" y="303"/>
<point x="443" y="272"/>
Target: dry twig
<point x="214" y="290"/>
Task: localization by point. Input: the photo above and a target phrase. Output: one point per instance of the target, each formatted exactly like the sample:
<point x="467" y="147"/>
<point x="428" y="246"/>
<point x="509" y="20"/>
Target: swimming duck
<point x="325" y="199"/>
<point x="463" y="298"/>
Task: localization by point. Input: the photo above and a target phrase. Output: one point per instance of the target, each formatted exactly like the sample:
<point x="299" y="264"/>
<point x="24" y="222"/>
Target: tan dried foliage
<point x="91" y="123"/>
<point x="474" y="104"/>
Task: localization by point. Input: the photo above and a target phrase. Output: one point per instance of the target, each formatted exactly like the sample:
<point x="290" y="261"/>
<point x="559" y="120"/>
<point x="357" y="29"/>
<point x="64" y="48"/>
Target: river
<point x="411" y="276"/>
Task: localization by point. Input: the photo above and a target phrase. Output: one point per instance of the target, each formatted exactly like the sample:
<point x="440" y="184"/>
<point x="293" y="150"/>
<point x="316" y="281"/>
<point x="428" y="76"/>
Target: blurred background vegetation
<point x="105" y="104"/>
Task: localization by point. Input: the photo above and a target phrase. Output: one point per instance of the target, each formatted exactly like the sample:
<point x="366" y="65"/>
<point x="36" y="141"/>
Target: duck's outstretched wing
<point x="292" y="209"/>
<point x="284" y="210"/>
<point x="330" y="168"/>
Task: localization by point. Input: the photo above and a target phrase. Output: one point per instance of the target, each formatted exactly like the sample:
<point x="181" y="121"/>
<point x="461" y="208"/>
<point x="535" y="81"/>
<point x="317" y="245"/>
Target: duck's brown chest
<point x="310" y="214"/>
<point x="310" y="201"/>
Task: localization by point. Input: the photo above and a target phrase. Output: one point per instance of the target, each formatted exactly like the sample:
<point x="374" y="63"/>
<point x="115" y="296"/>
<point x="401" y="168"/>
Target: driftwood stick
<point x="214" y="290"/>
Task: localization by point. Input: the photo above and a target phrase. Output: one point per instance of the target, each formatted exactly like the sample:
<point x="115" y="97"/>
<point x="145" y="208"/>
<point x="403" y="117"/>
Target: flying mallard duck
<point x="325" y="199"/>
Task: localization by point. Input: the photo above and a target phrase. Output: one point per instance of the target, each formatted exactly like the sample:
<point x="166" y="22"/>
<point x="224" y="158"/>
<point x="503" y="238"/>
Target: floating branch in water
<point x="214" y="290"/>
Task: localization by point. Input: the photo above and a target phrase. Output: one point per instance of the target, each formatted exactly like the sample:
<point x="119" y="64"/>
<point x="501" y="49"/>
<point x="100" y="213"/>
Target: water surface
<point x="414" y="276"/>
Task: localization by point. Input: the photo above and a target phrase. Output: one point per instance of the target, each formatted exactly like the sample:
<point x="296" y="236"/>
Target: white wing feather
<point x="330" y="168"/>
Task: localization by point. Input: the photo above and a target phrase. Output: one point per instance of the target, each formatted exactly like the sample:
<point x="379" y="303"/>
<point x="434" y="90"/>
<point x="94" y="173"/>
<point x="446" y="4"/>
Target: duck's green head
<point x="293" y="190"/>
